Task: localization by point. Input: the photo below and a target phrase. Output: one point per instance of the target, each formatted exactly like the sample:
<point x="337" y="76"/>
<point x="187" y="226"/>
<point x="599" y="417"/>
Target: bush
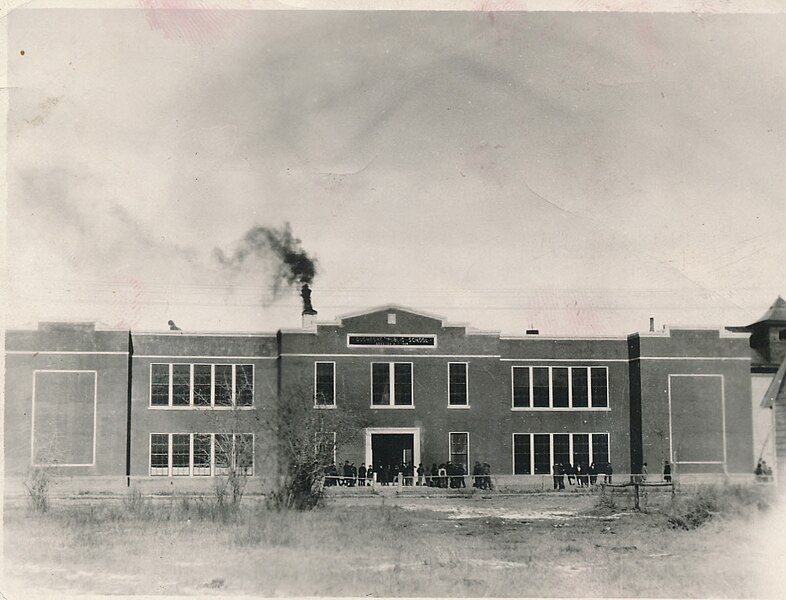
<point x="605" y="504"/>
<point x="713" y="501"/>
<point x="37" y="485"/>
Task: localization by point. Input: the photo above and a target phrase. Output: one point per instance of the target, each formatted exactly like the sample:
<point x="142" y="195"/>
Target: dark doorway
<point x="392" y="448"/>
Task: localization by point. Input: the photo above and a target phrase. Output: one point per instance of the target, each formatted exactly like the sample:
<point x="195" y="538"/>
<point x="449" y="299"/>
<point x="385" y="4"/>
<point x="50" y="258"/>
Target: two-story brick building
<point x="166" y="406"/>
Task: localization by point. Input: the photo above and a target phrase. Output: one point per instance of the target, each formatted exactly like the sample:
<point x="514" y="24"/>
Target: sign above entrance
<point x="364" y="340"/>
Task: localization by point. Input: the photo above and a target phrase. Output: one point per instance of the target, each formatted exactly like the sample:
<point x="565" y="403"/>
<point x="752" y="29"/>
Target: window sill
<point x="393" y="406"/>
<point x="459" y="406"/>
<point x="561" y="409"/>
<point x="325" y="406"/>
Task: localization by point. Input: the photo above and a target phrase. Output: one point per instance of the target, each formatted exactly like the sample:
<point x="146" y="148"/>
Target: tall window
<point x="391" y="384"/>
<point x="542" y="451"/>
<point x="159" y="385"/>
<point x="222" y="385"/>
<point x="560" y="387"/>
<point x="159" y="454"/>
<point x="201" y="385"/>
<point x="521" y="391"/>
<point x="244" y="385"/>
<point x="458" y="394"/>
<point x="459" y="449"/>
<point x="537" y="453"/>
<point x="522" y="454"/>
<point x="540" y="387"/>
<point x="201" y="454"/>
<point x="600" y="387"/>
<point x="202" y="448"/>
<point x="325" y="384"/>
<point x="181" y="453"/>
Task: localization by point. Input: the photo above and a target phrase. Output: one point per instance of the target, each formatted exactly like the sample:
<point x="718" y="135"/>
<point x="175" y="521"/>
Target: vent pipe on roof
<point x="652" y="324"/>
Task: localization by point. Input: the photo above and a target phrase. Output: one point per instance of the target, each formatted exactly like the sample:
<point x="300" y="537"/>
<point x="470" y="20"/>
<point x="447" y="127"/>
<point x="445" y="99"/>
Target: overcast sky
<point x="575" y="172"/>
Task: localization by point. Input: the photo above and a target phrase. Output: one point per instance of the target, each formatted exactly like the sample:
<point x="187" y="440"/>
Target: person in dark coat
<point x="347" y="473"/>
<point x="593" y="474"/>
<point x="486" y="470"/>
<point x="609" y="471"/>
<point x="569" y="471"/>
<point x="433" y="481"/>
<point x="362" y="474"/>
<point x="666" y="471"/>
<point x="421" y="475"/>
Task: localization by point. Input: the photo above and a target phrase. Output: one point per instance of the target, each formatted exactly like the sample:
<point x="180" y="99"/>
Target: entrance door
<point x="392" y="445"/>
<point x="392" y="448"/>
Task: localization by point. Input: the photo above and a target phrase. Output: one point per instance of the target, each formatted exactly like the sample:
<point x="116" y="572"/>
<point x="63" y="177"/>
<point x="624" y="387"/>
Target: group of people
<point x="763" y="471"/>
<point x="446" y="475"/>
<point x="581" y="474"/>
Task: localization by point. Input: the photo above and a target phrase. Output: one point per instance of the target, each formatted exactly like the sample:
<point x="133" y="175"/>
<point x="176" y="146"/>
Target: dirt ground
<point x="475" y="545"/>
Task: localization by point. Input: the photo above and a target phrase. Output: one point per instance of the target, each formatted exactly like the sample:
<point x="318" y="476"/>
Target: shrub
<point x="712" y="501"/>
<point x="37" y="485"/>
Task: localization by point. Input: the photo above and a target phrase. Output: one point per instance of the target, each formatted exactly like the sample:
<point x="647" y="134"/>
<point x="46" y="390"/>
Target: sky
<point x="573" y="172"/>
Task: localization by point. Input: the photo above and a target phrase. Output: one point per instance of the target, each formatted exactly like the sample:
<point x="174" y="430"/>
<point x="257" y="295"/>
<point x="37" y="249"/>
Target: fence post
<point x="636" y="492"/>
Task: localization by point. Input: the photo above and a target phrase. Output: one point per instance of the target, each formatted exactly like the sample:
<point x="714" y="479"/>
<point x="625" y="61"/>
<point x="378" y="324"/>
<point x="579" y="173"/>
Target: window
<point x="244" y="385"/>
<point x="159" y="454"/>
<point x="536" y="453"/>
<point x="222" y="451"/>
<point x="540" y="387"/>
<point x="244" y="453"/>
<point x="182" y="385"/>
<point x="202" y="447"/>
<point x="581" y="450"/>
<point x="521" y="391"/>
<point x="600" y="448"/>
<point x="560" y="388"/>
<point x="580" y="387"/>
<point x="181" y="453"/>
<point x="562" y="448"/>
<point x="458" y="394"/>
<point x="222" y="386"/>
<point x="542" y="450"/>
<point x="782" y="335"/>
<point x="203" y="385"/>
<point x="159" y="385"/>
<point x="201" y="454"/>
<point x="391" y="318"/>
<point x="600" y="387"/>
<point x="522" y="454"/>
<point x="459" y="449"/>
<point x="391" y="384"/>
<point x="324" y="384"/>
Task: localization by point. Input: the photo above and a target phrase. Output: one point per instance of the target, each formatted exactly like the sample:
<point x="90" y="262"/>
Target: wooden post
<point x="636" y="491"/>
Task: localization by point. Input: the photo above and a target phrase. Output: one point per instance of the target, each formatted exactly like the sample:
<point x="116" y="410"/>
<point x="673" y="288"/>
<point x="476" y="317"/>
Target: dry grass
<point x="180" y="545"/>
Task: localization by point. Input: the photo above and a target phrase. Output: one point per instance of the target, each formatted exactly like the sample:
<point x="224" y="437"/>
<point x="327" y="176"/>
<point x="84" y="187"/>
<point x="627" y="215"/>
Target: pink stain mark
<point x="195" y="21"/>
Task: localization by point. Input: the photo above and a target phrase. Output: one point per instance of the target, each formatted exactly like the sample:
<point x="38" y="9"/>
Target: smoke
<point x="276" y="247"/>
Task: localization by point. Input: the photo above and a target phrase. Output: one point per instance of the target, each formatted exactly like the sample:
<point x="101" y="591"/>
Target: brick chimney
<point x="309" y="314"/>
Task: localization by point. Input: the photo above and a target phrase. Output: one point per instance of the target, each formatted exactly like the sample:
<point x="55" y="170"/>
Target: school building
<point x="171" y="406"/>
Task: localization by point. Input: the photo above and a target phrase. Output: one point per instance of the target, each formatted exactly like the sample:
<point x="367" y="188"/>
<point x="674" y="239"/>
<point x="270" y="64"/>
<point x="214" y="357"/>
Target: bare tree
<point x="235" y="431"/>
<point x="306" y="433"/>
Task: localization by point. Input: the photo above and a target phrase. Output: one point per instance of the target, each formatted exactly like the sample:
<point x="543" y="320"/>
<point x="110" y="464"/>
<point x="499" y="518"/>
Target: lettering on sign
<point x="423" y="341"/>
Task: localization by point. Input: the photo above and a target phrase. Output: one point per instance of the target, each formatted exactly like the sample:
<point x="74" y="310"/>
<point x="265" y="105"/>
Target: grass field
<point x="522" y="545"/>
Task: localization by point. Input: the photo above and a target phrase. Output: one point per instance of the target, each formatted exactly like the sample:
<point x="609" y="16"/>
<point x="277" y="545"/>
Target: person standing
<point x="486" y="470"/>
<point x="609" y="471"/>
<point x="421" y="474"/>
<point x="362" y="474"/>
<point x="666" y="471"/>
<point x="644" y="472"/>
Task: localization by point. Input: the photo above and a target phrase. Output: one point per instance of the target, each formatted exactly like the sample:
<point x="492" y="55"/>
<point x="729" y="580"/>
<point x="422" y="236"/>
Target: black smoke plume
<point x="290" y="262"/>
